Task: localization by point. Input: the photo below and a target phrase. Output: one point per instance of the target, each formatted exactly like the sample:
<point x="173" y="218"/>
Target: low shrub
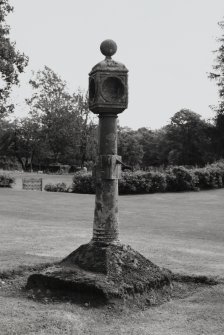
<point x="59" y="187"/>
<point x="83" y="182"/>
<point x="142" y="182"/>
<point x="172" y="179"/>
<point x="211" y="176"/>
<point x="132" y="183"/>
<point x="181" y="179"/>
<point x="158" y="181"/>
<point x="6" y="180"/>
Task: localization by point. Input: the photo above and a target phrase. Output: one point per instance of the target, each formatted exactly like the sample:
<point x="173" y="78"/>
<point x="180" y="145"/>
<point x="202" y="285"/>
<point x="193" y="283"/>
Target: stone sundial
<point x="104" y="268"/>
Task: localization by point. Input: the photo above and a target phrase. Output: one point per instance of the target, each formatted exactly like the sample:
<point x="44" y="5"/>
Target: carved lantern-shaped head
<point x="108" y="87"/>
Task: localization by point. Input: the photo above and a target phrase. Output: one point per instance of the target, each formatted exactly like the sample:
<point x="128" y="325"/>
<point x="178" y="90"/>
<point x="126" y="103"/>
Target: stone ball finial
<point x="108" y="48"/>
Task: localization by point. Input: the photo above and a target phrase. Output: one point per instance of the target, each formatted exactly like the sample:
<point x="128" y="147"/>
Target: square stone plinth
<point x="106" y="273"/>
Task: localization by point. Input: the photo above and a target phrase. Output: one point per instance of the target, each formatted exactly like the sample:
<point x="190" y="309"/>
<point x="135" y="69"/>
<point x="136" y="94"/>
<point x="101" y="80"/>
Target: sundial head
<point x="108" y="86"/>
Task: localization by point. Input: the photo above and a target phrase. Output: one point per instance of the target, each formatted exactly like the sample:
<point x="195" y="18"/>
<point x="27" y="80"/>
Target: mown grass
<point x="184" y="232"/>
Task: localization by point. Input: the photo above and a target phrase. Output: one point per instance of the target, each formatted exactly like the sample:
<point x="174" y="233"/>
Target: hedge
<point x="59" y="187"/>
<point x="6" y="180"/>
<point x="172" y="179"/>
<point x="83" y="182"/>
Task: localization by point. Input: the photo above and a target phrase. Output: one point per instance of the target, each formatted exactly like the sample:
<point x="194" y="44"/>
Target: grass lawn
<point x="181" y="231"/>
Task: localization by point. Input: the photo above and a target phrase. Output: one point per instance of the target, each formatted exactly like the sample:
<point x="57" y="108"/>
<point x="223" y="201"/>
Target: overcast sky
<point x="166" y="45"/>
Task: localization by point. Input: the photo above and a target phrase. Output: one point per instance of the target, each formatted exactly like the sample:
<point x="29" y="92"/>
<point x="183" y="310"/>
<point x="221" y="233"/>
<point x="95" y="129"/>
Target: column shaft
<point x="105" y="226"/>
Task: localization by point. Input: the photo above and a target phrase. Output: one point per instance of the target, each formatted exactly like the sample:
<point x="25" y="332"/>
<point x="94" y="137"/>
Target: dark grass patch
<point x="22" y="270"/>
<point x="185" y="285"/>
<point x="197" y="279"/>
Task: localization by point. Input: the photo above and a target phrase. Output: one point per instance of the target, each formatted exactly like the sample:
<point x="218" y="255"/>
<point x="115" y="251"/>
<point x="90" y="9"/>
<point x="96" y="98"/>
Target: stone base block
<point x="106" y="273"/>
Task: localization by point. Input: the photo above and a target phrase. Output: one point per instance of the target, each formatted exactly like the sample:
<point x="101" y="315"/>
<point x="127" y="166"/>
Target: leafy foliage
<point x="142" y="182"/>
<point x="181" y="179"/>
<point x="188" y="139"/>
<point x="21" y="139"/>
<point x="52" y="108"/>
<point x="218" y="76"/>
<point x="129" y="147"/>
<point x="211" y="176"/>
<point x="83" y="183"/>
<point x="12" y="62"/>
<point x="173" y="179"/>
<point x="59" y="128"/>
<point x="59" y="187"/>
<point x="6" y="180"/>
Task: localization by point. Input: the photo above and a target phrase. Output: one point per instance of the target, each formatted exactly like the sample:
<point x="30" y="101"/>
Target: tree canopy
<point x="218" y="76"/>
<point x="12" y="62"/>
<point x="66" y="130"/>
<point x="61" y="130"/>
<point x="188" y="139"/>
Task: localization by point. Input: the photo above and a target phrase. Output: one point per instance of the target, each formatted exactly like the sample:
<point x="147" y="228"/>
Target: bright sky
<point x="166" y="45"/>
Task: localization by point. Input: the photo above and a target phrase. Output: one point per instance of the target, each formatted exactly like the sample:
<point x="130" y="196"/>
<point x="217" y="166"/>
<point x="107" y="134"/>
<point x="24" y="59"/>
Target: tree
<point x="64" y="119"/>
<point x="154" y="147"/>
<point x="87" y="130"/>
<point x="218" y="76"/>
<point x="21" y="139"/>
<point x="52" y="108"/>
<point x="188" y="139"/>
<point x="145" y="136"/>
<point x="12" y="62"/>
<point x="129" y="147"/>
<point x="29" y="142"/>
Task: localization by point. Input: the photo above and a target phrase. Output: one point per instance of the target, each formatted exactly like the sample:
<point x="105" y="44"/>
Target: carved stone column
<point x="108" y="96"/>
<point x="104" y="269"/>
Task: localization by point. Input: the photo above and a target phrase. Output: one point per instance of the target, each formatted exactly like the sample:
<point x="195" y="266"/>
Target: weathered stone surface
<point x="108" y="83"/>
<point x="108" y="48"/>
<point x="103" y="268"/>
<point x="106" y="273"/>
